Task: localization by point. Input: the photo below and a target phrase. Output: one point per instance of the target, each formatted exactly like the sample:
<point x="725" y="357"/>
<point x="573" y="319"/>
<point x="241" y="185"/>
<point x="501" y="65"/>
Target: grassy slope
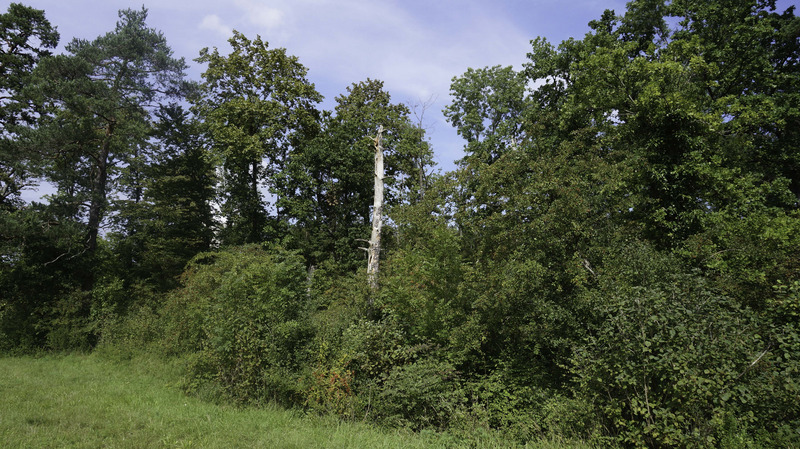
<point x="87" y="401"/>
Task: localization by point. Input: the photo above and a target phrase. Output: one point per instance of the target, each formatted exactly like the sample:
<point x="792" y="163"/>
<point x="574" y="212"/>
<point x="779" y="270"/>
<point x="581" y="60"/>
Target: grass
<point x="86" y="401"/>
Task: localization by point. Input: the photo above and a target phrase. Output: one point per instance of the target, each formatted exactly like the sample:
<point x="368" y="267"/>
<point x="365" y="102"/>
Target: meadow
<point x="88" y="401"/>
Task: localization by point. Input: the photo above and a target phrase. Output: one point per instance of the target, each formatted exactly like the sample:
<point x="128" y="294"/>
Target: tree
<point x="256" y="106"/>
<point x="487" y="110"/>
<point x="172" y="215"/>
<point x="37" y="272"/>
<point x="705" y="114"/>
<point x="677" y="137"/>
<point x="374" y="250"/>
<point x="101" y="97"/>
<point x="26" y="36"/>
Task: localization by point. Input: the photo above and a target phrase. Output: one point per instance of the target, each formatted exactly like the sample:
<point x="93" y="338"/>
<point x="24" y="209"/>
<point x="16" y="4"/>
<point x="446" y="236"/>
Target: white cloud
<point x="260" y="14"/>
<point x="415" y="46"/>
<point x="214" y="23"/>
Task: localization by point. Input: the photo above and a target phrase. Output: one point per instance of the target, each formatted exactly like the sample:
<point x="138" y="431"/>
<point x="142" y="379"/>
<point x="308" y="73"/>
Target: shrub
<point x="243" y="309"/>
<point x="139" y="330"/>
<point x="375" y="372"/>
<point x="424" y="393"/>
<point x="671" y="360"/>
<point x="501" y="403"/>
<point x="329" y="389"/>
<point x="66" y="322"/>
<point x="374" y="348"/>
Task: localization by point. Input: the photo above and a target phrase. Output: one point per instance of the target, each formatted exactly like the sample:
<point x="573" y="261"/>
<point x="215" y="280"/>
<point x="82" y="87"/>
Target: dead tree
<point x="374" y="251"/>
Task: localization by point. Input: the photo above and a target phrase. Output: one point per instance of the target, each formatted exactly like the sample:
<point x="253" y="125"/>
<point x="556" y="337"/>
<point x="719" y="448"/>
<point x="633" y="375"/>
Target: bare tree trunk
<point x="377" y="218"/>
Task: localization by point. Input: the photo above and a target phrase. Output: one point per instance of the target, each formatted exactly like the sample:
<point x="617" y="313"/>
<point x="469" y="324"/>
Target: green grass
<point x="80" y="401"/>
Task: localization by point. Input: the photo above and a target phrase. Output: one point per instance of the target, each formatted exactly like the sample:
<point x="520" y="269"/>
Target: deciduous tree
<point x="257" y="106"/>
<point x="328" y="184"/>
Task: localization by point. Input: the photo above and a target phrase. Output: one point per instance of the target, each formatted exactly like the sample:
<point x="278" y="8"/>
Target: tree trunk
<point x="98" y="198"/>
<point x="377" y="218"/>
<point x="97" y="202"/>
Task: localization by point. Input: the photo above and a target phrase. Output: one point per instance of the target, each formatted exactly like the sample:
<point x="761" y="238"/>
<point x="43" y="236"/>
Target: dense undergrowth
<point x="669" y="363"/>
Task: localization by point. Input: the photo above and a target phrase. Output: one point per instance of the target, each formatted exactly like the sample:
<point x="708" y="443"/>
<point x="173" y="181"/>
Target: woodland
<point x="615" y="259"/>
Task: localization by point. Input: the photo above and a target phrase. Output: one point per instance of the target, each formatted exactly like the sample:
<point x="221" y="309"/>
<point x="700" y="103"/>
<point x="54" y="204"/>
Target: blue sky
<point x="415" y="46"/>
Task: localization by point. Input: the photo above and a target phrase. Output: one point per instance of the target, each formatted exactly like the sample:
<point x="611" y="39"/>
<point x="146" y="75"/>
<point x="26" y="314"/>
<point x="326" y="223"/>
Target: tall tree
<point x="34" y="245"/>
<point x="487" y="111"/>
<point x="256" y="105"/>
<point x="680" y="137"/>
<point x="172" y="213"/>
<point x="101" y="96"/>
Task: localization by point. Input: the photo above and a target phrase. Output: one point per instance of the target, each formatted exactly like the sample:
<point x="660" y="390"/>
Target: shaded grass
<point x="85" y="401"/>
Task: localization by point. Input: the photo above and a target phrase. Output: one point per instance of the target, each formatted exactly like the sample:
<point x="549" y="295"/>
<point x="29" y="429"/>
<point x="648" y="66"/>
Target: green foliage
<point x="671" y="359"/>
<point x="419" y="287"/>
<point x="374" y="348"/>
<point x="97" y="102"/>
<point x="488" y="108"/>
<point x="615" y="259"/>
<point x="337" y="302"/>
<point x="168" y="218"/>
<point x="747" y="256"/>
<point x="376" y="372"/>
<point x="257" y="107"/>
<point x="330" y="387"/>
<point x="140" y="330"/>
<point x="26" y="37"/>
<point x="39" y="254"/>
<point x="242" y="310"/>
<point x="422" y="394"/>
<point x="641" y="131"/>
<point x="327" y="185"/>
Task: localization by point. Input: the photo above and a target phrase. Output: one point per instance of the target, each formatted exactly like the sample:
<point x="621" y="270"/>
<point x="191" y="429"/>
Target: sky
<point x="415" y="46"/>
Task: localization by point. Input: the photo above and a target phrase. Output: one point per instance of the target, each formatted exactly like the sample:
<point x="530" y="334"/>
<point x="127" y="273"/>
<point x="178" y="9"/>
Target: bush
<point x="373" y="348"/>
<point x="242" y="310"/>
<point x="421" y="394"/>
<point x="66" y="322"/>
<point x="374" y="371"/>
<point x="338" y="302"/>
<point x="329" y="388"/>
<point x="498" y="402"/>
<point x="671" y="360"/>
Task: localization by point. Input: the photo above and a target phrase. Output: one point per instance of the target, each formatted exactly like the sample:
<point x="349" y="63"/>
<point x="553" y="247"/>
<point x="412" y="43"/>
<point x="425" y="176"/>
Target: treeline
<point x="616" y="257"/>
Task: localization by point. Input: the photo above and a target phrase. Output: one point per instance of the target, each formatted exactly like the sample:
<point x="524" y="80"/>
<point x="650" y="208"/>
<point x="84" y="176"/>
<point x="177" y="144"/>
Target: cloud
<point x="214" y="23"/>
<point x="260" y="14"/>
<point x="416" y="46"/>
